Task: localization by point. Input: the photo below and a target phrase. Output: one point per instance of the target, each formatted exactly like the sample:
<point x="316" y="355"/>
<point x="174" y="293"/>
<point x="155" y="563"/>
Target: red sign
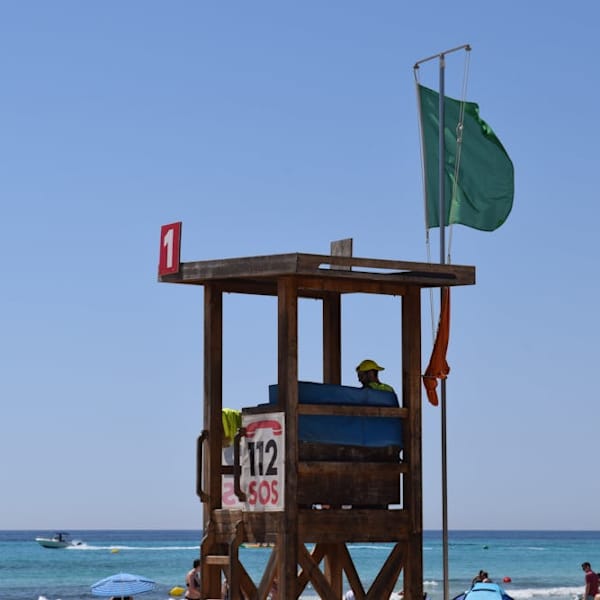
<point x="170" y="246"/>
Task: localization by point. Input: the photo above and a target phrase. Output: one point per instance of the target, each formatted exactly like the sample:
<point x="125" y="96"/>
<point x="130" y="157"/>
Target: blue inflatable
<point x="484" y="591"/>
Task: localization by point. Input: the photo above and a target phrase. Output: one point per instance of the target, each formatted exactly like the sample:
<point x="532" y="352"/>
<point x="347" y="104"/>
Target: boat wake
<point x="90" y="547"/>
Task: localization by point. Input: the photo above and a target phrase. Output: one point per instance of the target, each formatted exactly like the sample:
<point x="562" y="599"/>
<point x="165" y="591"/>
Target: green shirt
<point x="382" y="387"/>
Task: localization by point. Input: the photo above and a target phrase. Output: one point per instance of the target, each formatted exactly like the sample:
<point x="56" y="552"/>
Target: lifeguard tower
<point x="371" y="492"/>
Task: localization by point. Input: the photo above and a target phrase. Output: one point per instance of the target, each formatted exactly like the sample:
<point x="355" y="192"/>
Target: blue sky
<point x="274" y="127"/>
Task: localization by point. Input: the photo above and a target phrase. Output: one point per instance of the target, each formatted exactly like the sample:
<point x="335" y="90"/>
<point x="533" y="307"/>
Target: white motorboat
<point x="60" y="539"/>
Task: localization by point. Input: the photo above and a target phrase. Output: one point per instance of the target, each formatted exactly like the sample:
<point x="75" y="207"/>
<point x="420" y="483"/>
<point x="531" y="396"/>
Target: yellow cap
<point x="369" y="365"/>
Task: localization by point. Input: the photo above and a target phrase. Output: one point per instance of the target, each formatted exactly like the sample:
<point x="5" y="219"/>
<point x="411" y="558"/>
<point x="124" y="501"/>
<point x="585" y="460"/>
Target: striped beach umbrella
<point x="122" y="585"/>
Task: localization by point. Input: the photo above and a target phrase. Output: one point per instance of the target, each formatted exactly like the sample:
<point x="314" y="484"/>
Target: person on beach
<point x="481" y="577"/>
<point x="368" y="375"/>
<point x="192" y="582"/>
<point x="478" y="578"/>
<point x="591" y="582"/>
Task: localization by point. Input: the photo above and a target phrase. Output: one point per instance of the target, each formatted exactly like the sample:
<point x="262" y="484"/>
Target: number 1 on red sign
<point x="170" y="243"/>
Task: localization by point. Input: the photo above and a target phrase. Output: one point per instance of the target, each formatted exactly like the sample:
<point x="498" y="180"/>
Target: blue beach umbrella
<point x="122" y="584"/>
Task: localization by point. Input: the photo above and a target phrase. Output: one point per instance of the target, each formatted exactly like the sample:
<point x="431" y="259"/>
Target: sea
<point x="535" y="564"/>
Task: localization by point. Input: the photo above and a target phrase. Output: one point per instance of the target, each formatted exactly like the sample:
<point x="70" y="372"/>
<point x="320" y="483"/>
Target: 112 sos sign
<point x="263" y="462"/>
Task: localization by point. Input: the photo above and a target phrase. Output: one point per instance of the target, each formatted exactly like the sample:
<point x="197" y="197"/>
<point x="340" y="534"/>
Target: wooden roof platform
<point x="318" y="274"/>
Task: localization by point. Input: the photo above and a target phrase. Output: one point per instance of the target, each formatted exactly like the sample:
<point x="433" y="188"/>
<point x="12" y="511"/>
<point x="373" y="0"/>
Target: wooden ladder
<point x="219" y="553"/>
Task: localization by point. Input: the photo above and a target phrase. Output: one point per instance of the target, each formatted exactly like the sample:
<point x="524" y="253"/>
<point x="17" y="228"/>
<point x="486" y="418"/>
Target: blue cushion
<point x="355" y="431"/>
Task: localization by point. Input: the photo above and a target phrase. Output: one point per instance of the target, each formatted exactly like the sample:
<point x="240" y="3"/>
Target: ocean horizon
<point x="537" y="563"/>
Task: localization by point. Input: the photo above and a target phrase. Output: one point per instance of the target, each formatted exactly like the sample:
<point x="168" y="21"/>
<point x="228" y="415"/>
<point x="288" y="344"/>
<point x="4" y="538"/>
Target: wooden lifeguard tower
<point x="358" y="485"/>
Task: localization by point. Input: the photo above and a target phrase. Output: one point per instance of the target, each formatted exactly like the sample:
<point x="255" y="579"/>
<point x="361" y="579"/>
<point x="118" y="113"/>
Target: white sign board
<point x="262" y="459"/>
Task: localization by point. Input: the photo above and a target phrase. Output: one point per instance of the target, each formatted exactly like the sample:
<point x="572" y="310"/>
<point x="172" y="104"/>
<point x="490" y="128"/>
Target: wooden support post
<point x="383" y="585"/>
<point x="411" y="396"/>
<point x="287" y="539"/>
<point x="332" y="338"/>
<point x="332" y="321"/>
<point x="333" y="568"/>
<point x="235" y="568"/>
<point x="269" y="572"/>
<point x="213" y="392"/>
<point x="352" y="574"/>
<point x="213" y="399"/>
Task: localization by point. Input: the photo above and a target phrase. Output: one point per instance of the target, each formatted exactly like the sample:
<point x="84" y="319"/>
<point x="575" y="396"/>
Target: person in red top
<point x="591" y="582"/>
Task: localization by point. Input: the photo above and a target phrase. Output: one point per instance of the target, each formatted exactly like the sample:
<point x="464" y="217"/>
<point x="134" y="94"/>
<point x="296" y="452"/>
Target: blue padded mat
<point x="355" y="431"/>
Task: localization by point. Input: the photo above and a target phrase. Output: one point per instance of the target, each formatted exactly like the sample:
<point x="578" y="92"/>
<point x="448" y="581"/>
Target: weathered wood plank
<point x="332" y="338"/>
<point x="397" y="278"/>
<point x="246" y="583"/>
<point x="341" y="248"/>
<point x="352" y="525"/>
<point x="352" y="410"/>
<point x="314" y="451"/>
<point x="270" y="573"/>
<point x="318" y="552"/>
<point x="341" y="483"/>
<point x="262" y="527"/>
<point x="217" y="559"/>
<point x="370" y="470"/>
<point x="317" y="286"/>
<point x="213" y="390"/>
<point x="288" y="401"/>
<point x="324" y="267"/>
<point x="387" y="577"/>
<point x="337" y="409"/>
<point x="293" y="263"/>
<point x="333" y="568"/>
<point x="315" y="575"/>
<point x="352" y="574"/>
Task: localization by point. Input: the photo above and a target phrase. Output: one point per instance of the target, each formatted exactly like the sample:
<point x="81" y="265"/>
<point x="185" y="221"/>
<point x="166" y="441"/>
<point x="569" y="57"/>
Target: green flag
<point x="485" y="186"/>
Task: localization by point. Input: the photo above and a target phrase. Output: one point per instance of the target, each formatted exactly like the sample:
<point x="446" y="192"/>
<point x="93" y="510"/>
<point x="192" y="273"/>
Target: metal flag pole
<point x="442" y="221"/>
<point x="442" y="201"/>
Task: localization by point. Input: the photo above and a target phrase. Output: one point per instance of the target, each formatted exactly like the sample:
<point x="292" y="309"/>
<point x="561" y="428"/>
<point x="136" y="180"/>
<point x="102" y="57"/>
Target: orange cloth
<point x="438" y="366"/>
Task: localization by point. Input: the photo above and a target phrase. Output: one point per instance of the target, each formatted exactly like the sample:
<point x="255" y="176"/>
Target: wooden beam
<point x="270" y="572"/>
<point x="379" y="282"/>
<point x="373" y="470"/>
<point x="288" y="401"/>
<point x="246" y="583"/>
<point x="333" y="568"/>
<point x="387" y="577"/>
<point x="332" y="320"/>
<point x="352" y="574"/>
<point x="318" y="580"/>
<point x="411" y="396"/>
<point x="332" y="338"/>
<point x="352" y="410"/>
<point x="213" y="392"/>
<point x="353" y="525"/>
<point x="323" y="266"/>
<point x="317" y="554"/>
